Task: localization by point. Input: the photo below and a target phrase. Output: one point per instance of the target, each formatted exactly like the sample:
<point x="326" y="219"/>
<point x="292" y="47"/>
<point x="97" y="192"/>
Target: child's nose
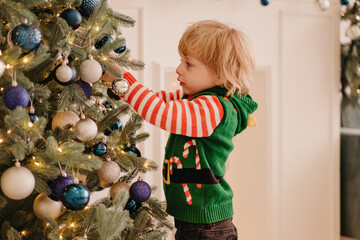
<point x="178" y="70"/>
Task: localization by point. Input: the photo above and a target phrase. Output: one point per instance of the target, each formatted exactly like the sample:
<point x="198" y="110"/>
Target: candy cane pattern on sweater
<point x="187" y="145"/>
<point x="177" y="161"/>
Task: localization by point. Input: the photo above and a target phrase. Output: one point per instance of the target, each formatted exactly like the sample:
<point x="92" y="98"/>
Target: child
<point x="215" y="73"/>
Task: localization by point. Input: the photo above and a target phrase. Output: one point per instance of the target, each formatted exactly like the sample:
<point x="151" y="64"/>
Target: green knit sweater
<point x="202" y="195"/>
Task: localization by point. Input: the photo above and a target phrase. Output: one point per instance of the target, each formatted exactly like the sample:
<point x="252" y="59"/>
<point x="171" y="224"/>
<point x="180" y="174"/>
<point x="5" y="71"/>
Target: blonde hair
<point x="224" y="50"/>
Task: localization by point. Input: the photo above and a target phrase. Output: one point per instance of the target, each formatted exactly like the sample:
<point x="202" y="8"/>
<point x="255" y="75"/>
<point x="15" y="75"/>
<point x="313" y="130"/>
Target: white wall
<point x="285" y="172"/>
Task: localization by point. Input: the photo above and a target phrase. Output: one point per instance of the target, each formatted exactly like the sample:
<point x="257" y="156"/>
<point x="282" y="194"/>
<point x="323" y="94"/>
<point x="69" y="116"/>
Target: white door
<point x="284" y="172"/>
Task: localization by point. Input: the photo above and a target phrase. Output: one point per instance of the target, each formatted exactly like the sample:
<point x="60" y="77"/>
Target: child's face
<point x="194" y="76"/>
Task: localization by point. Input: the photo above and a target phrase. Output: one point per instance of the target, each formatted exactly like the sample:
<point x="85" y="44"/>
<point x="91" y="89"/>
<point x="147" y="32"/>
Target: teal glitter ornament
<point x="103" y="41"/>
<point x="132" y="206"/>
<point x="75" y="196"/>
<point x="113" y="127"/>
<point x="120" y="49"/>
<point x="26" y="36"/>
<point x="133" y="151"/>
<point x="87" y="7"/>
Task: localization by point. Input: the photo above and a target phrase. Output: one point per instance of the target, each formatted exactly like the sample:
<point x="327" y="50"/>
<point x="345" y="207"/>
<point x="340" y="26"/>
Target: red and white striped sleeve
<point x="196" y="118"/>
<point x="170" y="96"/>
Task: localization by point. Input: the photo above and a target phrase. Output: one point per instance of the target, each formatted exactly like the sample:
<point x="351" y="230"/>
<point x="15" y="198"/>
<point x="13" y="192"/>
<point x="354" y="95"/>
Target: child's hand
<point x="108" y="77"/>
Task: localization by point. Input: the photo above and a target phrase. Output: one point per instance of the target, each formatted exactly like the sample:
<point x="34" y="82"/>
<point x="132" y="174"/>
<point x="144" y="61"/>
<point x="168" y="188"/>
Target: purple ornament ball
<point x="58" y="186"/>
<point x="16" y="96"/>
<point x="140" y="191"/>
<point x="86" y="87"/>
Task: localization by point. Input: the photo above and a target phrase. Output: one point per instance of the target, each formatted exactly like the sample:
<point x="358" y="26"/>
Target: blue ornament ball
<point x="140" y="191"/>
<point x="58" y="185"/>
<point x="121" y="49"/>
<point x="132" y="206"/>
<point x="133" y="151"/>
<point x="26" y="36"/>
<point x="16" y="96"/>
<point x="113" y="127"/>
<point x="87" y="7"/>
<point x="344" y="2"/>
<point x="103" y="41"/>
<point x="265" y="2"/>
<point x="72" y="17"/>
<point x="99" y="149"/>
<point x="112" y="95"/>
<point x="74" y="74"/>
<point x="75" y="196"/>
<point x="33" y="117"/>
<point x="86" y="87"/>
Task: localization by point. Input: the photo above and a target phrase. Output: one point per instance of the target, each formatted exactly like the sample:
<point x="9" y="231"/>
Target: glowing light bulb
<point x="59" y="149"/>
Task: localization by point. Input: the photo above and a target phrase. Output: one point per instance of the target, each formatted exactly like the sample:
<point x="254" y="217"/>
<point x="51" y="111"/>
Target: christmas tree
<point x="63" y="133"/>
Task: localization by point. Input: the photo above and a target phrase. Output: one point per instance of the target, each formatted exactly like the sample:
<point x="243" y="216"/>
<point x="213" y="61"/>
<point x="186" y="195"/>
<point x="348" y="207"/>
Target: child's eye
<point x="188" y="64"/>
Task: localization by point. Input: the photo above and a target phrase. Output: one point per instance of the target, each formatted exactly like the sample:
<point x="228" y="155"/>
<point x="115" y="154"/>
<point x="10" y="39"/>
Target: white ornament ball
<point x="120" y="87"/>
<point x="353" y="32"/>
<point x="61" y="119"/>
<point x="64" y="73"/>
<point x="17" y="182"/>
<point x="86" y="129"/>
<point x="46" y="207"/>
<point x="324" y="4"/>
<point x="90" y="71"/>
<point x="108" y="173"/>
<point x="116" y="187"/>
<point x="2" y="68"/>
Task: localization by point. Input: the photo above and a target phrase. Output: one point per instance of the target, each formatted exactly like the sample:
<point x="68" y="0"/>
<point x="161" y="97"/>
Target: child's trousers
<point x="224" y="230"/>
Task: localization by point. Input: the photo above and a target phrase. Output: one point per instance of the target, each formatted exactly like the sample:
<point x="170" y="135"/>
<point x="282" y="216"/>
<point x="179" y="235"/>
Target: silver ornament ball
<point x="120" y="87"/>
<point x="86" y="129"/>
<point x="90" y="71"/>
<point x="17" y="182"/>
<point x="108" y="173"/>
<point x="44" y="206"/>
<point x="61" y="119"/>
<point x="64" y="73"/>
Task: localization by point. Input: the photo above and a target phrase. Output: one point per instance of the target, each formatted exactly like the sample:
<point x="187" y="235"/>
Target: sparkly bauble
<point x="344" y="2"/>
<point x="16" y="96"/>
<point x="90" y="71"/>
<point x="103" y="41"/>
<point x="108" y="173"/>
<point x="2" y="68"/>
<point x="75" y="197"/>
<point x="64" y="73"/>
<point x="72" y="17"/>
<point x="132" y="206"/>
<point x="324" y="4"/>
<point x="87" y="7"/>
<point x="121" y="49"/>
<point x="17" y="182"/>
<point x="58" y="185"/>
<point x="133" y="151"/>
<point x="120" y="86"/>
<point x="33" y="117"/>
<point x="86" y="129"/>
<point x="46" y="207"/>
<point x="140" y="191"/>
<point x="74" y="74"/>
<point x="26" y="36"/>
<point x="61" y="119"/>
<point x="113" y="127"/>
<point x="117" y="187"/>
<point x="86" y="87"/>
<point x="112" y="95"/>
<point x="99" y="149"/>
<point x="265" y="2"/>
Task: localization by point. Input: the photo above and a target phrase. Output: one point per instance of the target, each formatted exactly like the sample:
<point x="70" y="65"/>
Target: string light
<point x="37" y="164"/>
<point x="30" y="124"/>
<point x="59" y="149"/>
<point x="23" y="233"/>
<point x="8" y="66"/>
<point x="26" y="60"/>
<point x="8" y="132"/>
<point x="72" y="225"/>
<point x="89" y="157"/>
<point x="104" y="58"/>
<point x="146" y="164"/>
<point x="0" y="53"/>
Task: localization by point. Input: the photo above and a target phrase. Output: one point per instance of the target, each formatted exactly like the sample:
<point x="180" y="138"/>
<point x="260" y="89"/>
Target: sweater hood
<point x="243" y="104"/>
